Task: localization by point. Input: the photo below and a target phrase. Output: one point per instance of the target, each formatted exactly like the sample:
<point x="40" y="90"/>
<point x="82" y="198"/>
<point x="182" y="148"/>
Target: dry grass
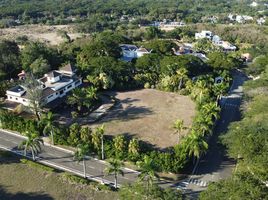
<point x="43" y="33"/>
<point x="20" y="182"/>
<point x="148" y="115"/>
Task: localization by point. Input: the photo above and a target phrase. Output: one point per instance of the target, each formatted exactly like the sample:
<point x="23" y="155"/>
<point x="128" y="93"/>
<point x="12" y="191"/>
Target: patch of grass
<point x="73" y="179"/>
<point x="24" y="180"/>
<point x="37" y="165"/>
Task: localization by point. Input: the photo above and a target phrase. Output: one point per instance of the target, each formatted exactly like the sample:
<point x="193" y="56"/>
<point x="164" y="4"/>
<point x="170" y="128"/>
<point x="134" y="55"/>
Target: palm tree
<point x="96" y="140"/>
<point x="32" y="143"/>
<point x="80" y="155"/>
<point x="219" y="90"/>
<point x="147" y="171"/>
<point x="133" y="147"/>
<point x="195" y="145"/>
<point x="76" y="98"/>
<point x="100" y="132"/>
<point x="199" y="89"/>
<point x="211" y="109"/>
<point x="115" y="168"/>
<point x="181" y="74"/>
<point x="50" y="125"/>
<point x="178" y="126"/>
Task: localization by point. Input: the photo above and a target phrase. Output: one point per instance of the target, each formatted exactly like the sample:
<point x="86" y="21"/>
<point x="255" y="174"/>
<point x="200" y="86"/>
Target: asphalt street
<point x="63" y="160"/>
<point x="216" y="165"/>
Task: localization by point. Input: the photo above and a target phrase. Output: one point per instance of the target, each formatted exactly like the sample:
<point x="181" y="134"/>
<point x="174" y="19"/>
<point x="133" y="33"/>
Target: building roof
<point x="16" y="89"/>
<point x="47" y="91"/>
<point x="53" y="74"/>
<point x="68" y="68"/>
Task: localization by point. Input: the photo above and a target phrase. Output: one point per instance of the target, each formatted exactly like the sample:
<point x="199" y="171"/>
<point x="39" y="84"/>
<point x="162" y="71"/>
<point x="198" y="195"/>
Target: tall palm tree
<point x="199" y="89"/>
<point x="178" y="126"/>
<point x="96" y="140"/>
<point x="77" y="98"/>
<point x="50" y="125"/>
<point x="133" y="147"/>
<point x="148" y="173"/>
<point x="80" y="155"/>
<point x="100" y="132"/>
<point x="115" y="167"/>
<point x="181" y="74"/>
<point x="195" y="145"/>
<point x="32" y="143"/>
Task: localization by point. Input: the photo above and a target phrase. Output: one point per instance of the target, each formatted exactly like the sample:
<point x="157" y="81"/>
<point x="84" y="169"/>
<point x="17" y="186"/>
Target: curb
<point x="63" y="149"/>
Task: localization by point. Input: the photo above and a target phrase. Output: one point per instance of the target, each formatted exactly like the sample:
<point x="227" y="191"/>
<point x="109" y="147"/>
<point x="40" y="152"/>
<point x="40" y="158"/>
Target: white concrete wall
<point x="18" y="99"/>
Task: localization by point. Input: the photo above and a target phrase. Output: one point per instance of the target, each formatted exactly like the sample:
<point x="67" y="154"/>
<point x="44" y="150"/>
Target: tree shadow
<point x="125" y="110"/>
<point x="4" y="194"/>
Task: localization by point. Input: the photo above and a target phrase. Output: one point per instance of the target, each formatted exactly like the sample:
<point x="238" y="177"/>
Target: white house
<point x="132" y="51"/>
<point x="226" y="46"/>
<point x="54" y="85"/>
<point x="204" y="34"/>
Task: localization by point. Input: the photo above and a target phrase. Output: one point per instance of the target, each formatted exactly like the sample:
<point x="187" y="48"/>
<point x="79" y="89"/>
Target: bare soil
<point x="42" y="33"/>
<point x="149" y="114"/>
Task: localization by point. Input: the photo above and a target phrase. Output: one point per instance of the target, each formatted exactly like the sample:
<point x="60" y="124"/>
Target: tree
<point x="178" y="126"/>
<point x="152" y="33"/>
<point x="181" y="74"/>
<point x="199" y="90"/>
<point x="100" y="132"/>
<point x="76" y="98"/>
<point x="204" y="45"/>
<point x="119" y="145"/>
<point x="133" y="148"/>
<point x="80" y="155"/>
<point x="9" y="59"/>
<point x="96" y="140"/>
<point x="210" y="110"/>
<point x="115" y="167"/>
<point x="39" y="67"/>
<point x="195" y="145"/>
<point x="32" y="143"/>
<point x="35" y="95"/>
<point x="50" y="125"/>
<point x="37" y="50"/>
<point x="148" y="173"/>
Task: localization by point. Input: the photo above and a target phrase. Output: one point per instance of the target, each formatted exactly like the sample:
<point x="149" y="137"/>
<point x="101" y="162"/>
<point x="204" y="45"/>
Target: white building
<point x="132" y="51"/>
<point x="204" y="34"/>
<point x="226" y="46"/>
<point x="54" y="85"/>
<point x="254" y="4"/>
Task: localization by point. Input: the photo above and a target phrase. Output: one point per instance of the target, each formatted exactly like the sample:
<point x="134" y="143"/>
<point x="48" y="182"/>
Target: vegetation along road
<point x="63" y="159"/>
<point x="216" y="165"/>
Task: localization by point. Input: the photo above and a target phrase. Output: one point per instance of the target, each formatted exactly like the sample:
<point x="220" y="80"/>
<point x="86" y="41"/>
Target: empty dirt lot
<point x="42" y="33"/>
<point x="148" y="115"/>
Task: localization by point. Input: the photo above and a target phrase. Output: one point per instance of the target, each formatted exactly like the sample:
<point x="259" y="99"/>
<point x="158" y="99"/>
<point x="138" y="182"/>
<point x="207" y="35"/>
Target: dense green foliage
<point x="101" y="14"/>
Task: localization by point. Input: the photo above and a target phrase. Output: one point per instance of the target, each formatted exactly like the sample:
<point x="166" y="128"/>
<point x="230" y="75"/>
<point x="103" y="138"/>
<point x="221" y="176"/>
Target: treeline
<point x="103" y="14"/>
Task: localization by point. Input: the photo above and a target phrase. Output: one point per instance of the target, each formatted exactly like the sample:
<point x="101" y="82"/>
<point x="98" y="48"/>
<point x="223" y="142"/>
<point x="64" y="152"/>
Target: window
<point x="10" y="97"/>
<point x="50" y="96"/>
<point x="61" y="92"/>
<point x="23" y="100"/>
<point x="69" y="86"/>
<point x="17" y="99"/>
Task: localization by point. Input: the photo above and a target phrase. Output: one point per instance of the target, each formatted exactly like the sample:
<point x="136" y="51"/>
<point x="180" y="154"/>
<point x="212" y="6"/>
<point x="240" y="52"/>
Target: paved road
<point x="63" y="159"/>
<point x="216" y="165"/>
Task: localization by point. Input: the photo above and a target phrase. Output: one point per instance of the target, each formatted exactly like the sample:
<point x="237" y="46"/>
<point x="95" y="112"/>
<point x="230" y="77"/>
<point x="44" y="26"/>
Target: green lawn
<point x="20" y="181"/>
